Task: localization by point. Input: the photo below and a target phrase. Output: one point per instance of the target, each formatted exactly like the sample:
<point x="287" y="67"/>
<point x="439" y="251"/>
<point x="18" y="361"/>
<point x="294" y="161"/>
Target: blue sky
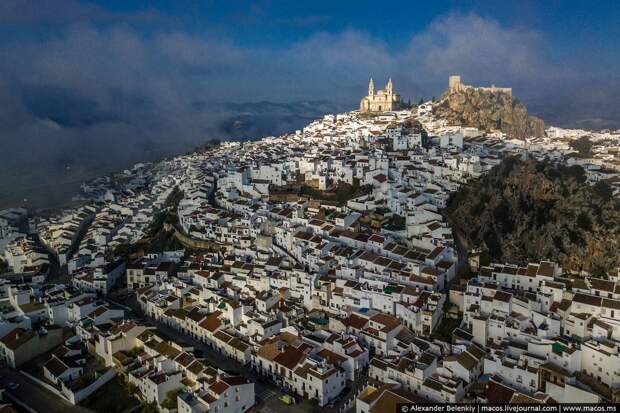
<point x="371" y="15"/>
<point x="567" y="24"/>
<point x="578" y="35"/>
<point x="117" y="78"/>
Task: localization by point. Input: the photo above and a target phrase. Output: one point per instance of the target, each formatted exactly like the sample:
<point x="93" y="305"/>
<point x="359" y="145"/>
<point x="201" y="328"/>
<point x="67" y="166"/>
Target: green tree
<point x="149" y="407"/>
<point x="396" y="223"/>
<point x="207" y="146"/>
<point x="582" y="145"/>
<point x="171" y="399"/>
<point x="4" y="266"/>
<point x="603" y="190"/>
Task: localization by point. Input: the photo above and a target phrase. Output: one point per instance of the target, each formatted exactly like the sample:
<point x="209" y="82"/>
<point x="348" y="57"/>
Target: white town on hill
<point x="314" y="268"/>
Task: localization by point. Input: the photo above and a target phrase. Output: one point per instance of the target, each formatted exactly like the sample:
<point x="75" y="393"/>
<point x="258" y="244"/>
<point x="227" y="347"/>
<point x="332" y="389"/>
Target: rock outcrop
<point x="488" y="111"/>
<point x="524" y="211"/>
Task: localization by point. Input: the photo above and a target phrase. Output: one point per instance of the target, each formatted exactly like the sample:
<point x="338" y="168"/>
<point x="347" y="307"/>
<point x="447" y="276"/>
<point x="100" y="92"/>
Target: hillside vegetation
<point x="528" y="210"/>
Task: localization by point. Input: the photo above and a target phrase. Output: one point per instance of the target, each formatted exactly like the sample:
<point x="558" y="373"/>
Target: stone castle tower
<point x="455" y="85"/>
<point x="383" y="100"/>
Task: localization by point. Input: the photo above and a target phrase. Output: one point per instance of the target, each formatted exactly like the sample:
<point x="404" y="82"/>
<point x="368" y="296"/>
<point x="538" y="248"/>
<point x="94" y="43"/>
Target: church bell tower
<point x="371" y="88"/>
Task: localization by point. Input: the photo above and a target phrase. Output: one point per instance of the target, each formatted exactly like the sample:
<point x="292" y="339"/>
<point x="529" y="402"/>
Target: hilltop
<point x="530" y="210"/>
<point x="487" y="110"/>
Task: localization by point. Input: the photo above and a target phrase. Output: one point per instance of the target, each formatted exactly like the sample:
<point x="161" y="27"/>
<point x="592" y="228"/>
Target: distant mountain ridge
<point x="255" y="120"/>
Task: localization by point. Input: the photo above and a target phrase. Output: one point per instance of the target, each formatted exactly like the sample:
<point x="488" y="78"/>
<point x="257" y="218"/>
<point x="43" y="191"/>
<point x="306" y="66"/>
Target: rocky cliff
<point x="486" y="111"/>
<point x="527" y="211"/>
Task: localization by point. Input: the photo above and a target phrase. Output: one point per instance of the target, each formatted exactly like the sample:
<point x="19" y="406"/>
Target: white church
<point x="383" y="100"/>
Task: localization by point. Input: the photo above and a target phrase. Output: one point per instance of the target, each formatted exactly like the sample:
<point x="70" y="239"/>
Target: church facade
<point x="383" y="100"/>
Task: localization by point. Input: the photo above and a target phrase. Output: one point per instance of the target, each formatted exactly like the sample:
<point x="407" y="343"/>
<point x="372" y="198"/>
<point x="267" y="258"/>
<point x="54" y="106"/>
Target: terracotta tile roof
<point x="212" y="323"/>
<point x="498" y="393"/>
<point x="196" y="367"/>
<point x="522" y="398"/>
<point x="334" y="358"/>
<point x="17" y="337"/>
<point x="219" y="387"/>
<point x="385" y="320"/>
<point x="389" y="399"/>
<point x="587" y="299"/>
<point x="290" y="357"/>
<point x="268" y="351"/>
<point x="235" y="381"/>
<point x="184" y="359"/>
<point x="56" y="366"/>
<point x="356" y="321"/>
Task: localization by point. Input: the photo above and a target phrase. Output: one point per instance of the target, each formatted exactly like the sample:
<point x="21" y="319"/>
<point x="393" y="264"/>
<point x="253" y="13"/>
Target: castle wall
<point x="455" y="85"/>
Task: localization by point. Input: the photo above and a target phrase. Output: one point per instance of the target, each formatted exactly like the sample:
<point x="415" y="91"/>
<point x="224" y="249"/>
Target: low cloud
<point x="481" y="50"/>
<point x="90" y="94"/>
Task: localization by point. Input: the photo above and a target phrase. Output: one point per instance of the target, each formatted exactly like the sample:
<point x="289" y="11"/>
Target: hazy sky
<point x="82" y="79"/>
<point x="84" y="63"/>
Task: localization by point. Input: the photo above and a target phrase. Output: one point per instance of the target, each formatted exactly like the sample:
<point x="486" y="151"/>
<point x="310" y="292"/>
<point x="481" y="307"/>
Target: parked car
<point x="287" y="399"/>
